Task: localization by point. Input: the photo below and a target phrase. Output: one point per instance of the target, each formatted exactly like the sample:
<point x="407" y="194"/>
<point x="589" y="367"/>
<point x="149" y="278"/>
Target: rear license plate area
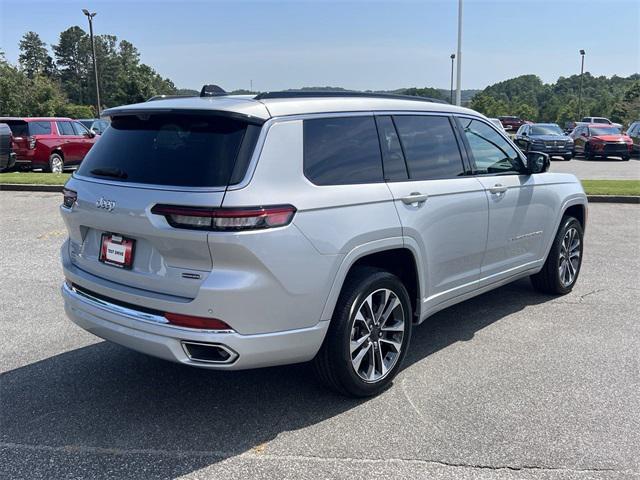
<point x="116" y="250"/>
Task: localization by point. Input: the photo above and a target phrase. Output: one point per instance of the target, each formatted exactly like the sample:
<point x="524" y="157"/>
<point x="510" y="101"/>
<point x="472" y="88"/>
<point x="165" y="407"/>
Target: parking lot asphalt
<point x="509" y="385"/>
<point x="609" y="169"/>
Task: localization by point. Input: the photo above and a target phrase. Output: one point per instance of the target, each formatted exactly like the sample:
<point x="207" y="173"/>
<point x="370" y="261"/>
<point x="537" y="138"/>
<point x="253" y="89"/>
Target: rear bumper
<point x="146" y="335"/>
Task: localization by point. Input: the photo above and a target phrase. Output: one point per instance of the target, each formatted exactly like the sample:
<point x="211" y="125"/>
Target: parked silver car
<point x="238" y="232"/>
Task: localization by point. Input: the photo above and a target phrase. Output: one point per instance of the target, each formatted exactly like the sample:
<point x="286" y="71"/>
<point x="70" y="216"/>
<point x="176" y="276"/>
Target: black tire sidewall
<point x="342" y="321"/>
<point x="567" y="222"/>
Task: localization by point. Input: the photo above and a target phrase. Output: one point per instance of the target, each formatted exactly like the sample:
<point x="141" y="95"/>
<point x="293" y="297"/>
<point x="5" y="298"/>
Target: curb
<point x="16" y="187"/>
<point x="613" y="199"/>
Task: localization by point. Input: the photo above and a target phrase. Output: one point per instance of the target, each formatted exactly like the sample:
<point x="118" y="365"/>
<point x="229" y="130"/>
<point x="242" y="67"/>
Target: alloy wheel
<point x="377" y="333"/>
<point x="569" y="260"/>
<point x="56" y="164"/>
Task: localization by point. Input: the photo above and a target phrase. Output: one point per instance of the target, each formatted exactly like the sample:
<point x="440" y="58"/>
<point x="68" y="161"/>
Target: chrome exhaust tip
<point x="209" y="352"/>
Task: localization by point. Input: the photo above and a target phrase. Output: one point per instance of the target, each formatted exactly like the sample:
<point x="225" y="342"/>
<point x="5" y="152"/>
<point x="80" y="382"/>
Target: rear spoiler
<point x="110" y="113"/>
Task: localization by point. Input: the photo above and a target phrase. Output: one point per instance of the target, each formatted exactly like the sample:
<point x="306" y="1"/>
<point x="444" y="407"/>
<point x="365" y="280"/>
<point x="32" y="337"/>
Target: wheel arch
<point x="392" y="255"/>
<point x="575" y="206"/>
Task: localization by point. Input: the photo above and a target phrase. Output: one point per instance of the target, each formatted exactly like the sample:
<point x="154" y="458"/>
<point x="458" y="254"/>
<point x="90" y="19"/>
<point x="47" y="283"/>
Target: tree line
<point x="617" y="98"/>
<point x="60" y="81"/>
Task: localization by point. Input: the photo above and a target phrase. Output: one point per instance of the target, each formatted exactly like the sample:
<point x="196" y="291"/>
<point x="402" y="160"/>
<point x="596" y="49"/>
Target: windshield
<point x="179" y="150"/>
<point x="546" y="130"/>
<point x="604" y="131"/>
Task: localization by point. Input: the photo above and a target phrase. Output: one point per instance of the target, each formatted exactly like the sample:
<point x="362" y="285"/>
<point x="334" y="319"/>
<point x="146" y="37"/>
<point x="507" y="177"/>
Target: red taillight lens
<point x="69" y="197"/>
<point x="196" y="322"/>
<point x="226" y="219"/>
<point x="32" y="143"/>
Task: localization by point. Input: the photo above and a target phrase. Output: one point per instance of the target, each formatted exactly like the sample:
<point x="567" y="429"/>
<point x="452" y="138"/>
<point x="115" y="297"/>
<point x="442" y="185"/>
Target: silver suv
<point x="234" y="232"/>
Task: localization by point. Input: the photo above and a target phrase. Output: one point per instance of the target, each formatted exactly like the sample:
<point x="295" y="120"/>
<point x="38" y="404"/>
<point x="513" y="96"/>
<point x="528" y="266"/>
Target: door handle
<point x="498" y="188"/>
<point x="414" y="197"/>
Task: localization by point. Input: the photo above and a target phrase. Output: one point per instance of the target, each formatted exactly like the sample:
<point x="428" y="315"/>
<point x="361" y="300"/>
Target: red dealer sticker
<point x="117" y="250"/>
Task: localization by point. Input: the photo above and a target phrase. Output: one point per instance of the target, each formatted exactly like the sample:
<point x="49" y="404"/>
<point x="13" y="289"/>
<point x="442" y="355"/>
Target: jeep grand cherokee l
<point x="51" y="144"/>
<point x="239" y="232"/>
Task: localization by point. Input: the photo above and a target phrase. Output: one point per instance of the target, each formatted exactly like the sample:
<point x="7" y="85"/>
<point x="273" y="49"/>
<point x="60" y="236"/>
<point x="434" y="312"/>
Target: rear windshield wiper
<point x="109" y="172"/>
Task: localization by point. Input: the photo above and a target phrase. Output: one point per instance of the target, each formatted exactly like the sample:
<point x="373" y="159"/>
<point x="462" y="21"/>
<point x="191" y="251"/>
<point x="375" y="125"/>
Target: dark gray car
<point x="545" y="137"/>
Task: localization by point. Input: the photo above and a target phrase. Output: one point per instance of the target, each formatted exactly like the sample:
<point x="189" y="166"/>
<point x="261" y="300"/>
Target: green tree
<point x="34" y="57"/>
<point x="13" y="88"/>
<point x="73" y="60"/>
<point x="628" y="109"/>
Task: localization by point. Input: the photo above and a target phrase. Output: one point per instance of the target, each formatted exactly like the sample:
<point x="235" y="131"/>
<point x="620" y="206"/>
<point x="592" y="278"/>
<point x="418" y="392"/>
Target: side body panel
<point x="336" y="219"/>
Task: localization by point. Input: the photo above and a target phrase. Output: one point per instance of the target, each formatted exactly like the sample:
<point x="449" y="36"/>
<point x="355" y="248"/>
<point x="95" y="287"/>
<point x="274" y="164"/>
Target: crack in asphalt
<point x="251" y="454"/>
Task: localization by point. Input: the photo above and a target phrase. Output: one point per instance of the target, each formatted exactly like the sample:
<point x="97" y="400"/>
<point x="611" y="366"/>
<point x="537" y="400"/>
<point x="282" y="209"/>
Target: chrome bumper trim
<point x="129" y="312"/>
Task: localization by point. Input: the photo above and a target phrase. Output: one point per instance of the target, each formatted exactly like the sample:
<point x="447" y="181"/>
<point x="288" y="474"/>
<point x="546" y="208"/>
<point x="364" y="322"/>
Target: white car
<point x="602" y="120"/>
<point x="497" y="123"/>
<point x="232" y="233"/>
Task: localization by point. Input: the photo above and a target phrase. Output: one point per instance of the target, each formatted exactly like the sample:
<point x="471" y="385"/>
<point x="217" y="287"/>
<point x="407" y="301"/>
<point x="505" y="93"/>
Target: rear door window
<point x="170" y="149"/>
<point x="430" y="147"/>
<point x="342" y="151"/>
<point x="39" y="128"/>
<point x="65" y="128"/>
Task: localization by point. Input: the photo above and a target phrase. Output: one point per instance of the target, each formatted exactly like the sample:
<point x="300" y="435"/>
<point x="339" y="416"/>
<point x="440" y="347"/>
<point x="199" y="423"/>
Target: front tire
<point x="567" y="157"/>
<point x="368" y="336"/>
<point x="587" y="152"/>
<point x="562" y="267"/>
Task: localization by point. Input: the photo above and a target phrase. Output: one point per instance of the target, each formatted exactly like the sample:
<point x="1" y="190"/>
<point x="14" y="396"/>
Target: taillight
<point x="69" y="197"/>
<point x="196" y="322"/>
<point x="32" y="143"/>
<point x="226" y="219"/>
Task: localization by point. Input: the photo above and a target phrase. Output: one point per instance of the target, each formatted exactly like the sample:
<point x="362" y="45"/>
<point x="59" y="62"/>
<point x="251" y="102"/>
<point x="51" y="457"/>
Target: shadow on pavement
<point x="106" y="397"/>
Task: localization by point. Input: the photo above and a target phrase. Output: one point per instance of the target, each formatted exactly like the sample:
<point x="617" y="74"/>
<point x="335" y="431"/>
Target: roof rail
<point x="164" y="97"/>
<point x="342" y="93"/>
<point x="212" y="91"/>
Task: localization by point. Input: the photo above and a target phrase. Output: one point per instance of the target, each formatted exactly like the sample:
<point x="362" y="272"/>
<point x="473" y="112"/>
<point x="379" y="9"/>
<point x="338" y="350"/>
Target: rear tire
<point x="626" y="158"/>
<point x="562" y="267"/>
<point x="56" y="163"/>
<point x="368" y="336"/>
<point x="567" y="157"/>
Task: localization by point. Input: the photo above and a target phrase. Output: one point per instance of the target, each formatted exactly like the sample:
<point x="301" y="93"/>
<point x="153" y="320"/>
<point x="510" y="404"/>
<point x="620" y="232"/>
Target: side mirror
<point x="90" y="134"/>
<point x="537" y="162"/>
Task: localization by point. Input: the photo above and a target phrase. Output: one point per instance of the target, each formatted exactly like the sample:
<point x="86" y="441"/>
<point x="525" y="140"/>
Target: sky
<point x="358" y="45"/>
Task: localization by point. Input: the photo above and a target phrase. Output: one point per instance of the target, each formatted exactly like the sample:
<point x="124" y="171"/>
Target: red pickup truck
<point x="511" y="123"/>
<point x="49" y="143"/>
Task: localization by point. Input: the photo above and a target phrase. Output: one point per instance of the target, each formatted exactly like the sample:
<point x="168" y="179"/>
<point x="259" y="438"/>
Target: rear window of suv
<point x="20" y="128"/>
<point x="172" y="149"/>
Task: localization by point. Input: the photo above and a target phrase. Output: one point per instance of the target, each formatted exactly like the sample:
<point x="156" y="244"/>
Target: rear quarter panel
<point x="335" y="220"/>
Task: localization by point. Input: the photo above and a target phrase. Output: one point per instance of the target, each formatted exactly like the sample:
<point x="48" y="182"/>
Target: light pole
<point x="453" y="56"/>
<point x="93" y="50"/>
<point x="582" y="52"/>
<point x="459" y="66"/>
